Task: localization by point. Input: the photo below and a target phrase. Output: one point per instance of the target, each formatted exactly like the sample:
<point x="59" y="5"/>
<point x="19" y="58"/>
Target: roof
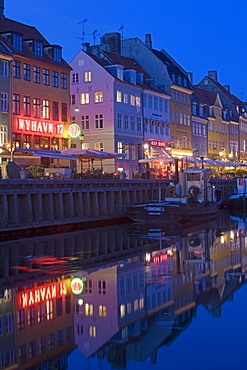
<point x="226" y="92"/>
<point x="205" y="97"/>
<point x="28" y="33"/>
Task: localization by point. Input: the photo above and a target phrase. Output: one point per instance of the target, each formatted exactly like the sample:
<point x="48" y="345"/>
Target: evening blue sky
<point x="200" y="35"/>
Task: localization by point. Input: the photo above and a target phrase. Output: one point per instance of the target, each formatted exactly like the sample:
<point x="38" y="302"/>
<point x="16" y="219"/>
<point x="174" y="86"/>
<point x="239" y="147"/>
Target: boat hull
<point x="238" y="201"/>
<point x="172" y="212"/>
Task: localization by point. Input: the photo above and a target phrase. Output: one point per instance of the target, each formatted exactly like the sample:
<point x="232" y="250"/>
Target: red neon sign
<point x="158" y="143"/>
<point x="160" y="258"/>
<point x="40" y="126"/>
<point x="42" y="294"/>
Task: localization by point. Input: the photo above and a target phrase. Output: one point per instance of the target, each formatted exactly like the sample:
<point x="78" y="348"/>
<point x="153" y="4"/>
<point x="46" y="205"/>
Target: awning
<point x="47" y="153"/>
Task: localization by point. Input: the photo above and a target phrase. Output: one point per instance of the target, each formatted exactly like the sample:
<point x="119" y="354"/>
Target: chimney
<point x="190" y="76"/>
<point x="227" y="87"/>
<point x="148" y="41"/>
<point x="112" y="42"/>
<point x="2" y="9"/>
<point x="213" y="75"/>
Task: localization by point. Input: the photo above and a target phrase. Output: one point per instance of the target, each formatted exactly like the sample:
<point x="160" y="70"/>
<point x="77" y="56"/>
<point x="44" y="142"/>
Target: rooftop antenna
<point x="121" y="29"/>
<point x="241" y="95"/>
<point x="94" y="36"/>
<point x="83" y="32"/>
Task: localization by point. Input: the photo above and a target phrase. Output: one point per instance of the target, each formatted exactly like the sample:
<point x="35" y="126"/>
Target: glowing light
<point x="222" y="240"/>
<point x="74" y="130"/>
<point x="77" y="286"/>
<point x="80" y="302"/>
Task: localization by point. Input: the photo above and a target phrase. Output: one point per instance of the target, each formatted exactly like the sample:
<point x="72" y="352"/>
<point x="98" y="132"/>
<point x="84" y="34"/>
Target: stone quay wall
<point x="30" y="204"/>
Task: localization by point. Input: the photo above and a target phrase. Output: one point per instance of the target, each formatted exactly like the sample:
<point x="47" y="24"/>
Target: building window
<point x="51" y="341"/>
<point x="55" y="115"/>
<point x="88" y="309"/>
<point x="20" y="319"/>
<point x="4" y="68"/>
<point x="98" y="96"/>
<point x="88" y="285"/>
<point x="46" y="77"/>
<point x="27" y="106"/>
<point x="41" y="306"/>
<point x="3" y="140"/>
<point x="57" y="54"/>
<point x="161" y="104"/>
<point x="92" y="331"/>
<point x="59" y="306"/>
<point x="155" y="102"/>
<point x="36" y="107"/>
<point x="122" y="310"/>
<point x="4" y="102"/>
<point x="101" y="287"/>
<point x="16" y="70"/>
<point x="126" y="100"/>
<point x="36" y="75"/>
<point x="26" y="72"/>
<point x="150" y="101"/>
<point x="30" y="316"/>
<point x="72" y="99"/>
<point x="102" y="311"/>
<point x="64" y="112"/>
<point x="84" y="98"/>
<point x="54" y="79"/>
<point x="10" y="356"/>
<point x="32" y="349"/>
<point x="133" y="123"/>
<point x="42" y="345"/>
<point x="22" y="353"/>
<point x="75" y="78"/>
<point x="85" y="122"/>
<point x="38" y="48"/>
<point x="132" y="100"/>
<point x="17" y="41"/>
<point x="16" y="104"/>
<point x="46" y="109"/>
<point x="60" y="338"/>
<point x="119" y="96"/>
<point x="49" y="310"/>
<point x="68" y="335"/>
<point x="87" y="76"/>
<point x="99" y="146"/>
<point x="99" y="122"/>
<point x="139" y="123"/>
<point x="119" y="120"/>
<point x="120" y="147"/>
<point x="126" y="121"/>
<point x="63" y="80"/>
<point x="138" y="101"/>
<point x="67" y="304"/>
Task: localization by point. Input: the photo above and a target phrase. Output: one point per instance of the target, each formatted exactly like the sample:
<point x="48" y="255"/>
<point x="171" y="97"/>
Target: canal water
<point x="126" y="296"/>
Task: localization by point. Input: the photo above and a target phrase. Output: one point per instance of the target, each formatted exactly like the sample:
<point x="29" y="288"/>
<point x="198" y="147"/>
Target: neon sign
<point x="160" y="258"/>
<point x="74" y="130"/>
<point x="42" y="294"/>
<point x="77" y="286"/>
<point x="158" y="143"/>
<point x="41" y="127"/>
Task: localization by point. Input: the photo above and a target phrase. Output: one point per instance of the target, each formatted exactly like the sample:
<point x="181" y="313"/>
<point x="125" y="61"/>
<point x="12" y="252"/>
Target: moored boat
<point x="239" y="197"/>
<point x="193" y="198"/>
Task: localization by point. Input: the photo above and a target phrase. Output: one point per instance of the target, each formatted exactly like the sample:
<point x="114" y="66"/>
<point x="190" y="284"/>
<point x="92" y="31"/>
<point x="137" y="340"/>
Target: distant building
<point x="39" y="83"/>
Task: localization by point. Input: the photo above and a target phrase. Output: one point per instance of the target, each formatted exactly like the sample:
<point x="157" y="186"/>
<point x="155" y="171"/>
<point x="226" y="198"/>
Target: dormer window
<point x="16" y="41"/>
<point x="57" y="54"/>
<point x="38" y="48"/>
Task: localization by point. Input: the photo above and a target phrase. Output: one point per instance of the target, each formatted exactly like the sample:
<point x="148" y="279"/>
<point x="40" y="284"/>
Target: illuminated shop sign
<point x="74" y="130"/>
<point x="158" y="143"/>
<point x="42" y="294"/>
<point x="160" y="258"/>
<point x="41" y="127"/>
<point x="77" y="285"/>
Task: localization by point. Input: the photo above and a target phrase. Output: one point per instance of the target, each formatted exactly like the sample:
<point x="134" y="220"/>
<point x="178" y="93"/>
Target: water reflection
<point x="139" y="288"/>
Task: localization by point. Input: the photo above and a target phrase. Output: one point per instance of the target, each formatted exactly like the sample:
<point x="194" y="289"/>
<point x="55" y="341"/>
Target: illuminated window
<point x="26" y="72"/>
<point x="98" y="96"/>
<point x="41" y="312"/>
<point x="46" y="109"/>
<point x="126" y="100"/>
<point x="136" y="305"/>
<point x="87" y="76"/>
<point x="132" y="100"/>
<point x="84" y="98"/>
<point x="141" y="303"/>
<point x="122" y="310"/>
<point x="99" y="122"/>
<point x="119" y="96"/>
<point x="88" y="309"/>
<point x="49" y="310"/>
<point x="120" y="147"/>
<point x="92" y="331"/>
<point x="129" y="307"/>
<point x="102" y="311"/>
<point x="46" y="77"/>
<point x="99" y="146"/>
<point x="51" y="341"/>
<point x="85" y="122"/>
